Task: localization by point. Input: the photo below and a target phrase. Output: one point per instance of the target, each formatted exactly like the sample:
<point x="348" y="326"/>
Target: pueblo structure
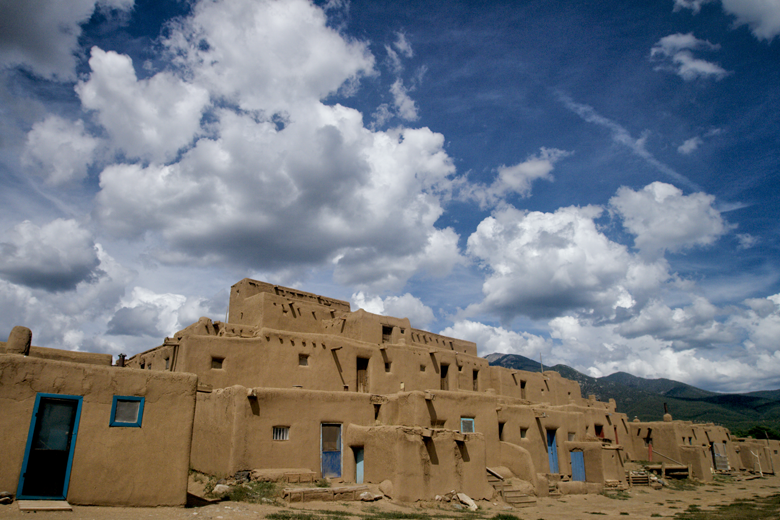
<point x="297" y="386"/>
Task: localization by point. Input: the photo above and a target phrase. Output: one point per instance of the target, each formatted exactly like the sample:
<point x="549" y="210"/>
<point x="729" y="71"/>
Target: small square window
<point x="571" y="436"/>
<point x="303" y="360"/>
<point x="523" y="433"/>
<point x="127" y="411"/>
<point x="387" y="366"/>
<point x="281" y="433"/>
<point x="422" y="368"/>
<point x="216" y="362"/>
<point x="467" y="424"/>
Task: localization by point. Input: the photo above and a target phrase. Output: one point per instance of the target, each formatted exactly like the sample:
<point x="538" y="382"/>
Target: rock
<point x="438" y="498"/>
<point x="6" y="494"/>
<point x="386" y="487"/>
<point x="367" y="496"/>
<point x="466" y="501"/>
<point x="457" y="506"/>
<point x="220" y="489"/>
<point x="6" y="500"/>
<point x="19" y="341"/>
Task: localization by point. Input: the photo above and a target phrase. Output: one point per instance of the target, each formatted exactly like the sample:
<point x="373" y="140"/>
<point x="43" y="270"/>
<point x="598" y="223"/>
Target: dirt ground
<point x="636" y="503"/>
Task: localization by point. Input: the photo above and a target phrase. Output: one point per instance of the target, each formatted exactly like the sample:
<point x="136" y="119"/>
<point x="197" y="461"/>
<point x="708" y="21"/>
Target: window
<point x="127" y="411"/>
<point x="281" y="433"/>
<point x="522" y="389"/>
<point x="475" y="380"/>
<point x="303" y="360"/>
<point x="571" y="436"/>
<point x="501" y="430"/>
<point x="216" y="362"/>
<point x="387" y="366"/>
<point x="422" y="368"/>
<point x="523" y="433"/>
<point x="387" y="334"/>
<point x="167" y="363"/>
<point x="467" y="424"/>
<point x="599" y="430"/>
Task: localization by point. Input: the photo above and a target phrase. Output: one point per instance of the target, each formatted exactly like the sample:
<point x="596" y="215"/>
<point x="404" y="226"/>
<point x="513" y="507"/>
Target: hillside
<point x="645" y="398"/>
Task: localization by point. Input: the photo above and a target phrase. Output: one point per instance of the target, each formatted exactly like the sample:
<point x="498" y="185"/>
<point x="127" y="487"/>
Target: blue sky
<point x="597" y="184"/>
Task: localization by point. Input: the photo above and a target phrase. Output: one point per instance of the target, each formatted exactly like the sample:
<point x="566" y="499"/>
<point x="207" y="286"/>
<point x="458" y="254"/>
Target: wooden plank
<point x="44" y="505"/>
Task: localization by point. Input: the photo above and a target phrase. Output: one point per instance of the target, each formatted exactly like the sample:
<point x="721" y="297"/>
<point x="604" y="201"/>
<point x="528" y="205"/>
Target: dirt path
<point x="640" y="503"/>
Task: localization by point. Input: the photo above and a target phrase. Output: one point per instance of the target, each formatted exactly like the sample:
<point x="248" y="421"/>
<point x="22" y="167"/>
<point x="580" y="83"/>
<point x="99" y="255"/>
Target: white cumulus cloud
<point x="663" y="219"/>
<point x="405" y="306"/>
<point x="59" y="150"/>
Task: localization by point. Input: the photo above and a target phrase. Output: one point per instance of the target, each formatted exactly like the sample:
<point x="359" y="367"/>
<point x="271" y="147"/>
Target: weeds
<point x="253" y="492"/>
<point x="742" y="509"/>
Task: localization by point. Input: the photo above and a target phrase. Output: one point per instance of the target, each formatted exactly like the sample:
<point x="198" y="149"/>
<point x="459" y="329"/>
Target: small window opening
<point x="475" y="380"/>
<point x="422" y="368"/>
<point x="522" y="389"/>
<point x="387" y="333"/>
<point x="281" y="433"/>
<point x="467" y="424"/>
<point x="216" y="362"/>
<point x="501" y="430"/>
<point x="599" y="431"/>
<point x="143" y="365"/>
<point x="167" y="363"/>
<point x="303" y="360"/>
<point x="460" y="368"/>
<point x="149" y="366"/>
<point x="376" y="411"/>
<point x="571" y="436"/>
<point x="445" y="384"/>
<point x="127" y="411"/>
<point x="387" y="366"/>
<point x="523" y="433"/>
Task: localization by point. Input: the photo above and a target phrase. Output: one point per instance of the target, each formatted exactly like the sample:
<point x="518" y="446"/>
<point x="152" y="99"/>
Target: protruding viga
<point x="19" y="341"/>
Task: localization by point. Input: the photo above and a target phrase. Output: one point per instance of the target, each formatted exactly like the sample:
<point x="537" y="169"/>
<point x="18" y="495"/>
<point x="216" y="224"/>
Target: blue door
<point x="331" y="450"/>
<point x="577" y="466"/>
<point x="51" y="440"/>
<point x="552" y="451"/>
<point x="359" y="465"/>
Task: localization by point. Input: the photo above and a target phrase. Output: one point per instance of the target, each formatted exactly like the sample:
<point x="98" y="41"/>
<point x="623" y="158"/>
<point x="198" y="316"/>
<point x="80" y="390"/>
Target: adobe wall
<point x="89" y="358"/>
<point x="758" y="454"/>
<point x="317" y="362"/>
<point x="144" y="466"/>
<point x="234" y="431"/>
<point x="420" y="462"/>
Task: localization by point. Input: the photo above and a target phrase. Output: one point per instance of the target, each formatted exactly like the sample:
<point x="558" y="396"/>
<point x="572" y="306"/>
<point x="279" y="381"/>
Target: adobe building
<point x="74" y="427"/>
<point x="298" y="385"/>
<point x="298" y="382"/>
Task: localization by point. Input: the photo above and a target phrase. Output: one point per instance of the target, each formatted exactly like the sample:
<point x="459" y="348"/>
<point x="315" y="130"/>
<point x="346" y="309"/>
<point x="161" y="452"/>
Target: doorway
<point x="51" y="440"/>
<point x="362" y="375"/>
<point x="358" y="451"/>
<point x="331" y="450"/>
<point x="552" y="451"/>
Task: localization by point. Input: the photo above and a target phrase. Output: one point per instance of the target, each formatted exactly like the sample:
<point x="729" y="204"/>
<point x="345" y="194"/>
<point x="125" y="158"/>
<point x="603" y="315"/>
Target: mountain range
<point x="645" y="398"/>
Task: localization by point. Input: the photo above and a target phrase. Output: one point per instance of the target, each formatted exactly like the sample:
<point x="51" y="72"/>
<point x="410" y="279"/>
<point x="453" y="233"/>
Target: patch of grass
<point x="617" y="495"/>
<point x="596" y="513"/>
<point x="655" y="515"/>
<point x="253" y="492"/>
<point x="289" y="515"/>
<point x="684" y="484"/>
<point x="741" y="509"/>
<point x="623" y="513"/>
<point x="399" y="514"/>
<point x="322" y="483"/>
<point x="504" y="516"/>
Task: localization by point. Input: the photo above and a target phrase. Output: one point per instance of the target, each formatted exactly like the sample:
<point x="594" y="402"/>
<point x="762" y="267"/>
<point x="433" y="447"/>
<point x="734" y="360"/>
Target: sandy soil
<point x="641" y="504"/>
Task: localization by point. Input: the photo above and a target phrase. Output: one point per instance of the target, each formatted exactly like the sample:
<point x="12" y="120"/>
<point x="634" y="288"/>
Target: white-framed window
<point x="281" y="433"/>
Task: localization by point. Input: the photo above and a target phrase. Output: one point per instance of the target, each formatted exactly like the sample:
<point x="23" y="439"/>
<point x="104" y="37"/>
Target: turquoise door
<point x="51" y="440"/>
<point x="552" y="451"/>
<point x="577" y="466"/>
<point x="331" y="450"/>
<point x="359" y="465"/>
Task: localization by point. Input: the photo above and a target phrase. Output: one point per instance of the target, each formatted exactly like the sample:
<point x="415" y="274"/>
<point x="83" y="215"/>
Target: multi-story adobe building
<point x="297" y="384"/>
